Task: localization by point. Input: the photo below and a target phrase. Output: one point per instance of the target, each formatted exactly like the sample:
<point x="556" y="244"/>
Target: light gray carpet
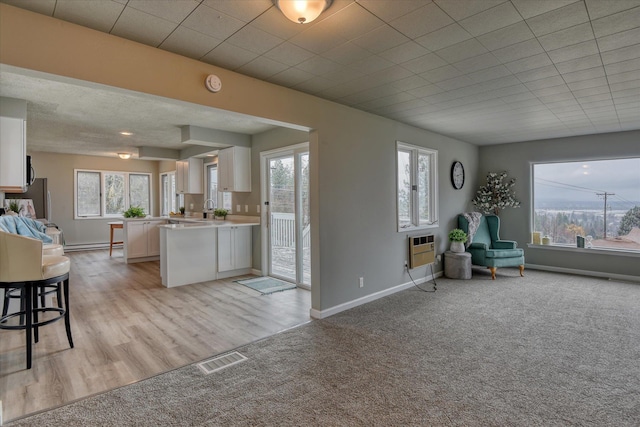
<point x="543" y="350"/>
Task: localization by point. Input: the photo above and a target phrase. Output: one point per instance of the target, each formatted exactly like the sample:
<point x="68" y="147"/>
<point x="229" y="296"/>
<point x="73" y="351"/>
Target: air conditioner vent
<point x="421" y="250"/>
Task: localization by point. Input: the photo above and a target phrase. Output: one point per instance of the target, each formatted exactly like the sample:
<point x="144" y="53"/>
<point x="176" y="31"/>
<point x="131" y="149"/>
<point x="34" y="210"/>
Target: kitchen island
<point x="197" y="250"/>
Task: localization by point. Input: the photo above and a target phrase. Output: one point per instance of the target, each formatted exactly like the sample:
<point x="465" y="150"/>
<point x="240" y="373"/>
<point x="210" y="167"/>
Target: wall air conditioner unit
<point x="421" y="250"/>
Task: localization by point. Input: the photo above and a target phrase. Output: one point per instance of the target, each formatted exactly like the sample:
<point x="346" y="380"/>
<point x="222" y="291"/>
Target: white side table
<point x="457" y="265"/>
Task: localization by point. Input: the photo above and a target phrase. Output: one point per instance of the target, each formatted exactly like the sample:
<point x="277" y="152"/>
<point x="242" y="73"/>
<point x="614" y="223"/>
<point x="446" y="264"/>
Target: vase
<point x="457" y="247"/>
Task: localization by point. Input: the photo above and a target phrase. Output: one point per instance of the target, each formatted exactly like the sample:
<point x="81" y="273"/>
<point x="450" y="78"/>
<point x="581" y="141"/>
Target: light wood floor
<point x="126" y="327"/>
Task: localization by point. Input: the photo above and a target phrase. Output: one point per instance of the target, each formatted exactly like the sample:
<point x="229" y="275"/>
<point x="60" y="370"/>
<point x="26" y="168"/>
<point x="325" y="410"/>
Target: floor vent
<point x="221" y="362"/>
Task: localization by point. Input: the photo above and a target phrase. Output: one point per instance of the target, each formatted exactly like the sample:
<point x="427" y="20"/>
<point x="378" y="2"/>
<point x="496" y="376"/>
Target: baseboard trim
<point x="89" y="247"/>
<point x="322" y="314"/>
<point x="599" y="274"/>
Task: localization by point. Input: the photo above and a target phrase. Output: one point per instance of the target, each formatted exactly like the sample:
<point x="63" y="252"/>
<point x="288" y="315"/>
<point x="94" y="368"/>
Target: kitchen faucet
<point x="206" y="204"/>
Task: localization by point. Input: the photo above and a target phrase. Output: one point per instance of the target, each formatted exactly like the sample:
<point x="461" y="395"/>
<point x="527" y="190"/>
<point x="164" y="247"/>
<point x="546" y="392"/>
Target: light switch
<point x="246" y="208"/>
<point x="238" y="208"/>
<point x="258" y="208"/>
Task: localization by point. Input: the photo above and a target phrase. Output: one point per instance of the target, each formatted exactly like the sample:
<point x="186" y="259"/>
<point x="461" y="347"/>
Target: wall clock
<point x="213" y="83"/>
<point x="457" y="175"/>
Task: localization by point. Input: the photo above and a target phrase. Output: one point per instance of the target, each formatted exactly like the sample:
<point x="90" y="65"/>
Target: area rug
<point x="267" y="285"/>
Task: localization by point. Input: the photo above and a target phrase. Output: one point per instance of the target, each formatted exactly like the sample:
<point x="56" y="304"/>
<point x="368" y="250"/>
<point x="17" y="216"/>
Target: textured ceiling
<point x="483" y="71"/>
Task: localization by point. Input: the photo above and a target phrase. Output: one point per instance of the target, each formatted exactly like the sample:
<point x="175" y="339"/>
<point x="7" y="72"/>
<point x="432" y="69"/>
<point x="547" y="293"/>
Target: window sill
<point x="418" y="228"/>
<point x="599" y="251"/>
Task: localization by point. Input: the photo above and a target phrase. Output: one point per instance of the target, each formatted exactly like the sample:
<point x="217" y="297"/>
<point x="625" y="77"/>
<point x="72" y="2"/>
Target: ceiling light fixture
<point x="124" y="156"/>
<point x="302" y="11"/>
<point x="126" y="133"/>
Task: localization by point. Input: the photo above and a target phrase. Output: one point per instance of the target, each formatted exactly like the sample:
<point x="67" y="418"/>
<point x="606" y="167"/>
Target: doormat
<point x="266" y="285"/>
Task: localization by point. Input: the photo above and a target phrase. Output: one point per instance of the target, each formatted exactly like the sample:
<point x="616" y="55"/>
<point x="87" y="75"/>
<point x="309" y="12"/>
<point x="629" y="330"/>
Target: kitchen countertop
<point x="195" y="222"/>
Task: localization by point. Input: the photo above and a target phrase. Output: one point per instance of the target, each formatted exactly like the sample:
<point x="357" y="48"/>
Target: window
<point x="106" y="194"/>
<point x="416" y="187"/>
<point x="598" y="200"/>
<point x="169" y="200"/>
<point x="220" y="198"/>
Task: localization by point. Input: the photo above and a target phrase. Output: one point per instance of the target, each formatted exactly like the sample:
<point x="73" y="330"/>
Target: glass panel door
<point x="304" y="219"/>
<point x="282" y="224"/>
<point x="288" y="216"/>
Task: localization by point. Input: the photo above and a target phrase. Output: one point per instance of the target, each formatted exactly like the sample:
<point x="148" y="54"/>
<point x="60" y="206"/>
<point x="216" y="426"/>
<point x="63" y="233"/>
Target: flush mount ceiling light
<point x="302" y="11"/>
<point x="125" y="133"/>
<point x="124" y="156"/>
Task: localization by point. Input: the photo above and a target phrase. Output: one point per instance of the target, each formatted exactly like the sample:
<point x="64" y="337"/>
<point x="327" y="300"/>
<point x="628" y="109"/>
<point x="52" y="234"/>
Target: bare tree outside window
<point x="88" y="191"/>
<point x="114" y="194"/>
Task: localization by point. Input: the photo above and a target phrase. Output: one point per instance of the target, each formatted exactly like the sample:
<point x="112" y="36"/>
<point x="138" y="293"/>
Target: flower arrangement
<point x="496" y="194"/>
<point x="457" y="235"/>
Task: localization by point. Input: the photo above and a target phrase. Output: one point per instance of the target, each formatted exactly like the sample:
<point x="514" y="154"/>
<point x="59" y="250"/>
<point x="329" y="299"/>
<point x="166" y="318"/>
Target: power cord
<point x="435" y="285"/>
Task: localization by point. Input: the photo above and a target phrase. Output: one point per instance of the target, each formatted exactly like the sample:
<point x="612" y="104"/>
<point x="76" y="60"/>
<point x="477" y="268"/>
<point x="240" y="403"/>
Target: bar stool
<point x="24" y="267"/>
<point x="113" y="225"/>
<point x="48" y="249"/>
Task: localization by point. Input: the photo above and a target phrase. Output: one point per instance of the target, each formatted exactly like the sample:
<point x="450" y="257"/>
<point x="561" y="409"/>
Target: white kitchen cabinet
<point x="234" y="169"/>
<point x="234" y="248"/>
<point x="13" y="155"/>
<point x="189" y="176"/>
<point x="142" y="239"/>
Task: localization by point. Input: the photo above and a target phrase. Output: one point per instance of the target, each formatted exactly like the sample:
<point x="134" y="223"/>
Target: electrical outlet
<point x="258" y="208"/>
<point x="405" y="263"/>
<point x="438" y="258"/>
<point x="362" y="282"/>
<point x="246" y="208"/>
<point x="238" y="208"/>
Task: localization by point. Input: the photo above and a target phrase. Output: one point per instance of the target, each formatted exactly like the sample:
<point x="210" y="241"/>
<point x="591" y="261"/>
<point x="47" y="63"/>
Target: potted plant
<point x="220" y="213"/>
<point x="457" y="237"/>
<point x="181" y="210"/>
<point x="134" y="212"/>
<point x="13" y="206"/>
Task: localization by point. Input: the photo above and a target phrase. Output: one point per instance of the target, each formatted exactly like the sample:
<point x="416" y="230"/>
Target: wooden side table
<point x="113" y="226"/>
<point x="457" y="265"/>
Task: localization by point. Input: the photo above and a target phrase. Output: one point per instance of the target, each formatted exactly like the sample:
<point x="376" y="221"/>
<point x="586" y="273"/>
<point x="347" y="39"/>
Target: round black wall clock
<point x="457" y="175"/>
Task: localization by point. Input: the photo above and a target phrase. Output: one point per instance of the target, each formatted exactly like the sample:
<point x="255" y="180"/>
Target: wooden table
<point x="114" y="225"/>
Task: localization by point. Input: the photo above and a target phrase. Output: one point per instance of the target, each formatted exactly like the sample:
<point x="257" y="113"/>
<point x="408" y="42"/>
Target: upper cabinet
<point x="13" y="145"/>
<point x="234" y="169"/>
<point x="189" y="176"/>
<point x="13" y="155"/>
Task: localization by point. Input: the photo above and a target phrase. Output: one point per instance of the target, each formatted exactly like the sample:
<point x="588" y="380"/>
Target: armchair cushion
<point x="503" y="253"/>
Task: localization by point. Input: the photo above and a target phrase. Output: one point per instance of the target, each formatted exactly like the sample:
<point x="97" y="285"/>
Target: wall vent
<point x="220" y="362"/>
<point x="421" y="250"/>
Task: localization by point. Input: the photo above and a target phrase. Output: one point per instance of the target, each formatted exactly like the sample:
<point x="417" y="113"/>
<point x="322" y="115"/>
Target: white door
<point x="286" y="214"/>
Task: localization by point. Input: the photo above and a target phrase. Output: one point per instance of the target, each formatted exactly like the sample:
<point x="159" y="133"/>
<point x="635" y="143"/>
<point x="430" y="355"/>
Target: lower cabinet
<point x="142" y="239"/>
<point x="234" y="248"/>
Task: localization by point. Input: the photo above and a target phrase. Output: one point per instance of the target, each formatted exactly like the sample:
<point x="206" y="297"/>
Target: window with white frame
<point x="108" y="193"/>
<point x="417" y="187"/>
<point x="170" y="202"/>
<point x="221" y="199"/>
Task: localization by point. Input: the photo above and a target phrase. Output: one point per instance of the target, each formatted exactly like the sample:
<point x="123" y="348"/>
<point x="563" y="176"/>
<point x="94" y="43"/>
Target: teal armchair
<point x="488" y="250"/>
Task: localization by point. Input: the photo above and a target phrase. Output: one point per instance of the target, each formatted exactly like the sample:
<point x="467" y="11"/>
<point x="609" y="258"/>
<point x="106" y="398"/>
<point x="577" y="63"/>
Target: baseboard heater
<point x="421" y="250"/>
